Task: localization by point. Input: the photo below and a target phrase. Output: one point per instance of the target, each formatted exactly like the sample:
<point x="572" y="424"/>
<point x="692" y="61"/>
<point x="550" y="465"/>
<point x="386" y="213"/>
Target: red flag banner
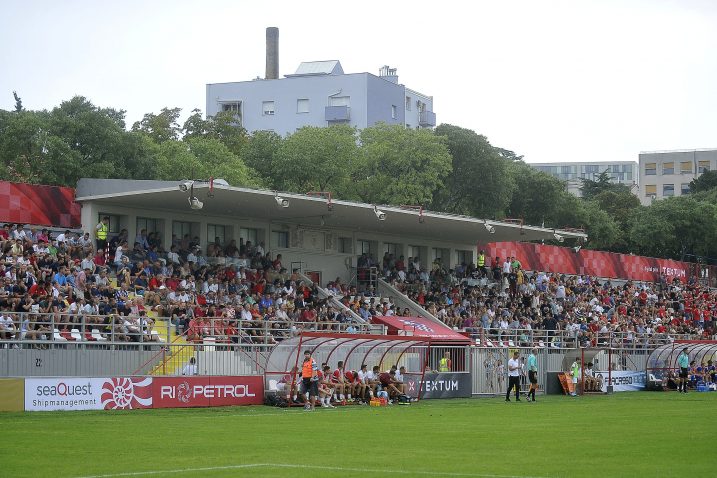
<point x="419" y="326"/>
<point x="39" y="205"/>
<point x="564" y="260"/>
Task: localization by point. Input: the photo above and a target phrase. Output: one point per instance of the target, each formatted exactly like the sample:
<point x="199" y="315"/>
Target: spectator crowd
<point x="55" y="282"/>
<point x="501" y="301"/>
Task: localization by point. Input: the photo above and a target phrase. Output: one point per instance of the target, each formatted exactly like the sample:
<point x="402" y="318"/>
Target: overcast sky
<point x="552" y="80"/>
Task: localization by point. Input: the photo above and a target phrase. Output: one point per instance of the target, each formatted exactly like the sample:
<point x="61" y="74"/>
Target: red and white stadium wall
<point x="564" y="260"/>
<point x="39" y="205"/>
<point x="124" y="393"/>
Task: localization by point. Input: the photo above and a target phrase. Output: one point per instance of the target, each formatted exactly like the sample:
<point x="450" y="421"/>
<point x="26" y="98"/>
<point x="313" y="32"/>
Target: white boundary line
<point x="306" y="467"/>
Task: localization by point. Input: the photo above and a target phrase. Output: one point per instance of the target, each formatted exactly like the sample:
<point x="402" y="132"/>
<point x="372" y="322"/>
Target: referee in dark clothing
<point x="514" y="367"/>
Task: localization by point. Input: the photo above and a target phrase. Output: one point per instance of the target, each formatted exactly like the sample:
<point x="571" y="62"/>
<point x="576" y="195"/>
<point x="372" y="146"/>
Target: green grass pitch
<point x="627" y="434"/>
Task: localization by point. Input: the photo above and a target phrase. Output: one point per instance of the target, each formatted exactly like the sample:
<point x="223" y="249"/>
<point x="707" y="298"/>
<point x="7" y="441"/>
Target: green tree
<point x="619" y="205"/>
<point x="603" y="182"/>
<point x="315" y="159"/>
<point x="30" y="152"/>
<point x="675" y="227"/>
<point x="537" y="197"/>
<point x="573" y="212"/>
<point x="96" y="134"/>
<point x="705" y="182"/>
<point x="260" y="155"/>
<point x="479" y="183"/>
<point x="201" y="158"/>
<point x="195" y="125"/>
<point x="399" y="165"/>
<point x="160" y="127"/>
<point x="18" y="102"/>
<point x="222" y="127"/>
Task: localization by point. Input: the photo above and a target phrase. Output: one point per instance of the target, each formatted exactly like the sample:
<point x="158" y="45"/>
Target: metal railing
<point x="564" y="339"/>
<point x="147" y="360"/>
<point x="29" y="330"/>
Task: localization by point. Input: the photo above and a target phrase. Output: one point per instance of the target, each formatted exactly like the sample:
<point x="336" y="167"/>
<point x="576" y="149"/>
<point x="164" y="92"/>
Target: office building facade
<point x="669" y="173"/>
<point x="620" y="172"/>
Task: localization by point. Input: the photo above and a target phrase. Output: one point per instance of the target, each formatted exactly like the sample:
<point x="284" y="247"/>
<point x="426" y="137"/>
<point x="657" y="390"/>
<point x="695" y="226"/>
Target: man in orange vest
<point x="309" y="381"/>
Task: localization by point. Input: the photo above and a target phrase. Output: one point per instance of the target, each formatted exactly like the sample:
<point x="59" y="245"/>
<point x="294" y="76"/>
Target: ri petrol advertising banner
<point x="46" y="394"/>
<point x="181" y="392"/>
<point x="623" y="380"/>
<point x="440" y="385"/>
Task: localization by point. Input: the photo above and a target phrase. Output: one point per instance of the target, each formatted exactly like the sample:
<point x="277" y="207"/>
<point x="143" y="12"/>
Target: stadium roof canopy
<point x="305" y="210"/>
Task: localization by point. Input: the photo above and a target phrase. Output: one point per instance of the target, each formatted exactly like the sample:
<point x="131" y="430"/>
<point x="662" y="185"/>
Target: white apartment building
<point x="620" y="172"/>
<point x="669" y="173"/>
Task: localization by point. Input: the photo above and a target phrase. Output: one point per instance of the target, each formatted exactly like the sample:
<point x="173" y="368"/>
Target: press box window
<point x="148" y="224"/>
<point x="390" y="248"/>
<point x="214" y="231"/>
<point x="363" y="247"/>
<point x="114" y="225"/>
<point x="345" y="245"/>
<point x="248" y="235"/>
<point x="281" y="239"/>
<point x="464" y="257"/>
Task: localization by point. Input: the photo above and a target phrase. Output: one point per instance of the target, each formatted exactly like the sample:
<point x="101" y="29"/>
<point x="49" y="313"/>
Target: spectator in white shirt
<point x="191" y="367"/>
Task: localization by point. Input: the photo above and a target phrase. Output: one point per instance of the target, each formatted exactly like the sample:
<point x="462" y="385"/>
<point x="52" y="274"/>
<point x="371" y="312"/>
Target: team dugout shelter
<point x="354" y="350"/>
<point x="662" y="362"/>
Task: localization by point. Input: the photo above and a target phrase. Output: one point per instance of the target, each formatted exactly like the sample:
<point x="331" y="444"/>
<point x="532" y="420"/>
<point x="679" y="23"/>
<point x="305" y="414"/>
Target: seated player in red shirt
<point x="326" y="391"/>
<point x="387" y="380"/>
<point x="288" y="384"/>
<point x="352" y="383"/>
<point x="338" y="381"/>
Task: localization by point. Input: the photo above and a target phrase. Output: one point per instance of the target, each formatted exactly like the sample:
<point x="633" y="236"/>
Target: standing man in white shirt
<point x="191" y="367"/>
<point x="514" y="367"/>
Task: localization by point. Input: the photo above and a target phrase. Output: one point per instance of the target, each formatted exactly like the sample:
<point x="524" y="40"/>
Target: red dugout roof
<point x="420" y="327"/>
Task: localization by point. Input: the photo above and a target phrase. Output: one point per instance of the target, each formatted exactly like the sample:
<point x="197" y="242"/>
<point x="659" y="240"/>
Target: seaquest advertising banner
<point x="623" y="380"/>
<point x="440" y="385"/>
<point x="45" y="394"/>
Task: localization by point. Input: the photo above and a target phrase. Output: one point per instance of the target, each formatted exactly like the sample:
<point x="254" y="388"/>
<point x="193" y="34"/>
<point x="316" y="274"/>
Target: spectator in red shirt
<point x="308" y="315"/>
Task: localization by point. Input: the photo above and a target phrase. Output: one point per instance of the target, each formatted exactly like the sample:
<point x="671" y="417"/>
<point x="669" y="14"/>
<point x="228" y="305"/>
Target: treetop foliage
<point x="450" y="169"/>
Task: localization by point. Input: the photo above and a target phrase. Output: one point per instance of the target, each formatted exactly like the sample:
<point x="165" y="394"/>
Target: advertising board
<point x="182" y="392"/>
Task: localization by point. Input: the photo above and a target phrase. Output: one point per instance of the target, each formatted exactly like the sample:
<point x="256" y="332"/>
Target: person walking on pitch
<point x="532" y="374"/>
<point x="683" y="361"/>
<point x="513" y="377"/>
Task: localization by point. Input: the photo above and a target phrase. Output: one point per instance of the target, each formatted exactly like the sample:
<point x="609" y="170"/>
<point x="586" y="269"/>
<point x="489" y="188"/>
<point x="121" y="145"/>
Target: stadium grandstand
<point x="199" y="272"/>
